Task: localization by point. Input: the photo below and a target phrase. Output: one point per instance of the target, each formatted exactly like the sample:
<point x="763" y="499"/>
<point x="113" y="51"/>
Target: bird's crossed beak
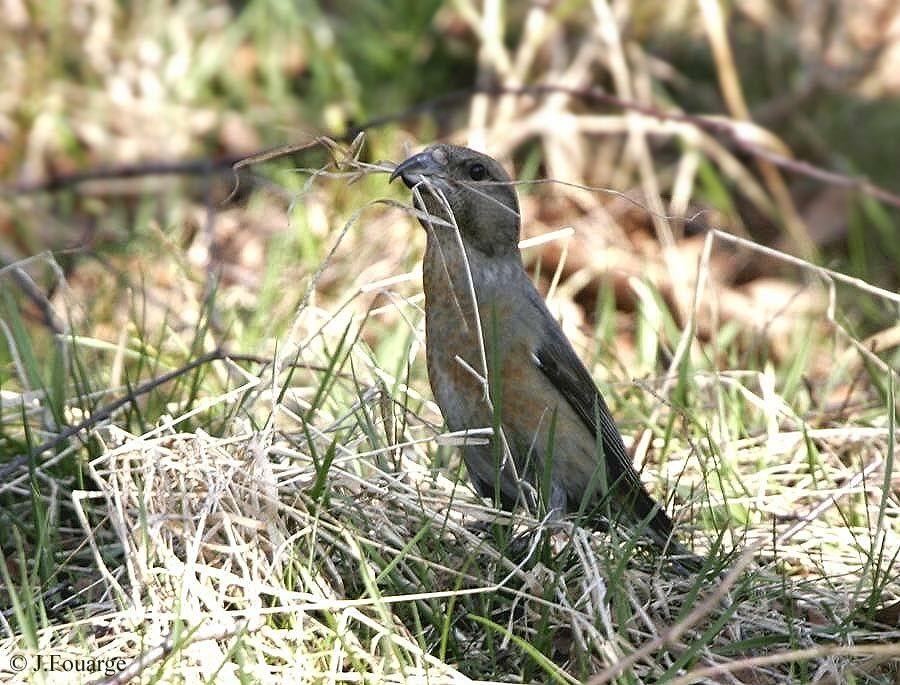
<point x="416" y="169"/>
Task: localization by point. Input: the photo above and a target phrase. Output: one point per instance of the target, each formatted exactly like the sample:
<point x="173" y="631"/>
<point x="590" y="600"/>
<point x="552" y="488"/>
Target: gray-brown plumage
<point x="559" y="431"/>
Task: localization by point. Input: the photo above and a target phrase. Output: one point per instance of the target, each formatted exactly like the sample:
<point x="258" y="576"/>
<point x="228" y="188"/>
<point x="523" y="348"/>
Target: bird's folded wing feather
<point x="559" y="363"/>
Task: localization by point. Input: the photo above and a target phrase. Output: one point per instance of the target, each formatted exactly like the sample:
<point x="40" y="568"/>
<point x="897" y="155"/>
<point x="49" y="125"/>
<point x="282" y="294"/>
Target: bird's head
<point x="477" y="190"/>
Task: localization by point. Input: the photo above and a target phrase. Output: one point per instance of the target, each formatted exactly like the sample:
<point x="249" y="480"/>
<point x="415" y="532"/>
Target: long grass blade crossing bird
<point x="510" y="366"/>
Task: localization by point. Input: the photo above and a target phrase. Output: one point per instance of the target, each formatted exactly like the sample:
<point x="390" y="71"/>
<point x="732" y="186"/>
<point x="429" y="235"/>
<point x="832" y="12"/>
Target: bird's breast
<point x="455" y="354"/>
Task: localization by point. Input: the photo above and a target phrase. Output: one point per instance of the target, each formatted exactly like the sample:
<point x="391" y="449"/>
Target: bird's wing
<point x="559" y="363"/>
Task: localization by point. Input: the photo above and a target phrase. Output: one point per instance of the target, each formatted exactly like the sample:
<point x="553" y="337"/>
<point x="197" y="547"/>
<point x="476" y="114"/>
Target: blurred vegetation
<point x="94" y="85"/>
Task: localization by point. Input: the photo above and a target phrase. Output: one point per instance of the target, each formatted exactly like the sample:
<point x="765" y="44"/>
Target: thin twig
<point x="733" y="131"/>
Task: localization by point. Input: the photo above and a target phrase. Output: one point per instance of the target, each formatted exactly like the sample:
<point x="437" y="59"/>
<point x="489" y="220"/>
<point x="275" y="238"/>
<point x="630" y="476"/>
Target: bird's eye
<point x="477" y="172"/>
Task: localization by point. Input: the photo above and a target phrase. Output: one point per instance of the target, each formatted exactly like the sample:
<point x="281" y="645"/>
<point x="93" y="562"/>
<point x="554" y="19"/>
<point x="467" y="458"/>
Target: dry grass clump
<point x="237" y="555"/>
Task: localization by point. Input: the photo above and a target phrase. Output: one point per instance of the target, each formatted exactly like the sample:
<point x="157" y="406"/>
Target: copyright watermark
<point x="64" y="663"/>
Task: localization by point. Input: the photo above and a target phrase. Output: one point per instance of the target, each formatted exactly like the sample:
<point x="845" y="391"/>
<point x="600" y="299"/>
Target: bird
<point x="496" y="357"/>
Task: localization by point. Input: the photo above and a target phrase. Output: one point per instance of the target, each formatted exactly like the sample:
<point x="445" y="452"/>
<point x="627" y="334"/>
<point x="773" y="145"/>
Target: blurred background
<point x="119" y="124"/>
